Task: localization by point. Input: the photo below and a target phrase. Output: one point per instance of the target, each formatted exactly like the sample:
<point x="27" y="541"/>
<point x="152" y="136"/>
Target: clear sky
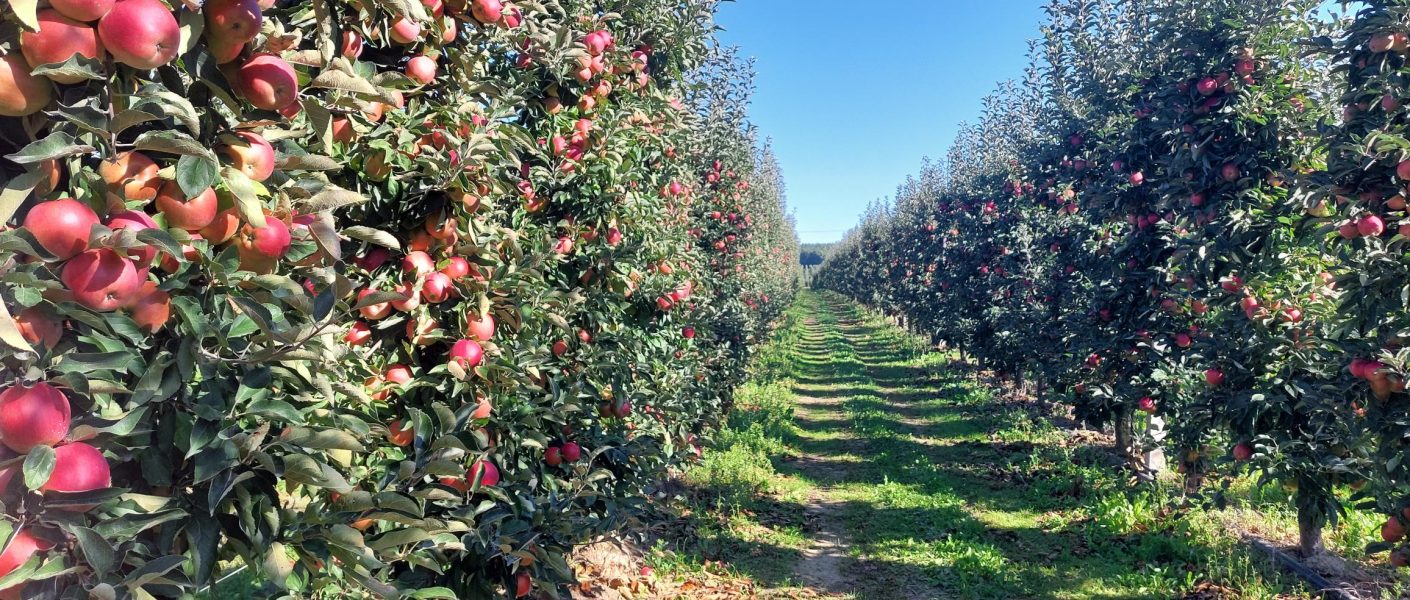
<point x="855" y="93"/>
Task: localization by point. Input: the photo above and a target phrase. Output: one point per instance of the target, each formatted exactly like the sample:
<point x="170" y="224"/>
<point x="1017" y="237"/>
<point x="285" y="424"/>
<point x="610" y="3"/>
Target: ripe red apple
<point x="456" y="268"/>
<point x="131" y="176"/>
<point x="664" y="303"/>
<point x="398" y="373"/>
<point x="584" y="336"/>
<point x="1292" y="314"/>
<point x="553" y="456"/>
<point x="486" y="11"/>
<point x="136" y="221"/>
<point x="102" y="280"/>
<point x="1349" y="230"/>
<point x="232" y="21"/>
<point x="225" y="226"/>
<point x="1242" y="451"/>
<point x="1146" y="404"/>
<point x="78" y="467"/>
<point x="352" y="44"/>
<point x="421" y="69"/>
<point x="484" y="472"/>
<point x="400" y="433"/>
<point x="572" y="452"/>
<point x="1137" y="178"/>
<point x="467" y="353"/>
<point x="181" y="212"/>
<point x="523" y="584"/>
<point x="564" y="245"/>
<point x="142" y="34"/>
<point x="58" y="39"/>
<point x="1207" y="86"/>
<point x="62" y="226"/>
<point x="405" y="31"/>
<point x="1183" y="340"/>
<point x="38" y="327"/>
<point x="1370" y="225"/>
<point x="614" y="236"/>
<point x="270" y="241"/>
<point x="688" y="332"/>
<point x="33" y="416"/>
<point x="483" y="408"/>
<point x="1229" y="172"/>
<point x="412" y="300"/>
<point x="358" y="334"/>
<point x="152" y="308"/>
<point x="479" y="327"/>
<point x="373" y="312"/>
<point x="268" y="82"/>
<point x="622" y="410"/>
<point x="560" y="348"/>
<point x="1213" y="377"/>
<point x="1392" y="530"/>
<point x="1402" y="170"/>
<point x="254" y="156"/>
<point x="436" y="288"/>
<point x="18" y="552"/>
<point x="82" y="10"/>
<point x="21" y="92"/>
<point x="418" y="264"/>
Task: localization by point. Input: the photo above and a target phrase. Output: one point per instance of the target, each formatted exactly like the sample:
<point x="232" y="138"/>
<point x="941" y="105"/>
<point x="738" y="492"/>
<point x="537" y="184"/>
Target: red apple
<point x="479" y="327"/>
<point x="136" y="221"/>
<point x="417" y="264"/>
<point x="33" y="416"/>
<point x="142" y="34"/>
<point x="553" y="456"/>
<point x="62" y="227"/>
<point x="270" y="241"/>
<point x="1213" y="377"/>
<point x="456" y="268"/>
<point x="83" y="10"/>
<point x="38" y="327"/>
<point x="131" y="176"/>
<point x="102" y="280"/>
<point x="467" y="353"/>
<point x="405" y="31"/>
<point x="1242" y="451"/>
<point x="268" y="82"/>
<point x="1370" y="225"/>
<point x="232" y="21"/>
<point x="181" y="212"/>
<point x="78" y="467"/>
<point x="358" y="334"/>
<point x="484" y="472"/>
<point x="58" y="39"/>
<point x="421" y="69"/>
<point x="571" y="452"/>
<point x="487" y="11"/>
<point x="253" y="155"/>
<point x="688" y="332"/>
<point x="373" y="312"/>
<point x="1146" y="404"/>
<point x="21" y="92"/>
<point x="152" y="308"/>
<point x="18" y="552"/>
<point x="412" y="300"/>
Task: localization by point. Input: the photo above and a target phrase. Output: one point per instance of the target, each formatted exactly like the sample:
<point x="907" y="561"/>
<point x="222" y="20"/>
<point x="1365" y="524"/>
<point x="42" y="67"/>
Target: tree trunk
<point x="1309" y="531"/>
<point x="1125" y="434"/>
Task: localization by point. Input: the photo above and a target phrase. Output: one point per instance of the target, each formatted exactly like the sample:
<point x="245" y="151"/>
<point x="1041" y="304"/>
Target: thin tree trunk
<point x="1309" y="531"/>
<point x="1125" y="434"/>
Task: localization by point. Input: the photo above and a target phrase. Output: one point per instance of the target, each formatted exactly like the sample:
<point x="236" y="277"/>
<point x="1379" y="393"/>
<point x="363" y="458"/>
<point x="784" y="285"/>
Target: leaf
<point x="77" y="66"/>
<point x="373" y="236"/>
<point x="247" y="200"/>
<point x="196" y="174"/>
<point x="27" y="11"/>
<point x="130" y="118"/>
<point x="97" y="552"/>
<point x="307" y="162"/>
<point x="38" y="466"/>
<point x="336" y="78"/>
<point x="325" y="439"/>
<point x="10" y="333"/>
<point x="332" y="197"/>
<point x="171" y="142"/>
<point x="304" y="469"/>
<point x="378" y="297"/>
<point x="16" y="190"/>
<point x="57" y="144"/>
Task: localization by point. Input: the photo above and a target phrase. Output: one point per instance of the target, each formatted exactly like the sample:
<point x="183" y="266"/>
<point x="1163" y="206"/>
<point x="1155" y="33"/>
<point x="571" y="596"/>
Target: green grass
<point x="944" y="493"/>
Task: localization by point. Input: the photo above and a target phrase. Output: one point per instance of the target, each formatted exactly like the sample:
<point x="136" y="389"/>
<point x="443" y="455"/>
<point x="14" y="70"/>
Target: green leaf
<point x="196" y="174"/>
<point x="304" y="469"/>
<point x="247" y="200"/>
<point x="171" y="142"/>
<point x="38" y="466"/>
<point x="97" y="552"/>
<point x="10" y="333"/>
<point x="373" y="236"/>
<point x="325" y="439"/>
<point x="16" y="190"/>
<point x="76" y="66"/>
<point x="57" y="144"/>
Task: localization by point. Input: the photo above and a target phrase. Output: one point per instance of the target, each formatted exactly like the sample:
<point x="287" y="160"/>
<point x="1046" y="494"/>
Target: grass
<point x="943" y="492"/>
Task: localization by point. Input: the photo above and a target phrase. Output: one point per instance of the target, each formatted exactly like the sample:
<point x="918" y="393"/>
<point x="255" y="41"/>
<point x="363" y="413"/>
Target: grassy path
<point x="897" y="475"/>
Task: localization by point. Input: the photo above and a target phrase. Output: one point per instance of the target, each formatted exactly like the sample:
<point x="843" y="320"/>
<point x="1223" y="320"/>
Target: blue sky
<point x="854" y="94"/>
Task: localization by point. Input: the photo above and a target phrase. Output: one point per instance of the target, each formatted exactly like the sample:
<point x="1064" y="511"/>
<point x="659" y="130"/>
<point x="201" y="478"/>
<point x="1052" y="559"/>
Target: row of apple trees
<point x="368" y="298"/>
<point x="1188" y="222"/>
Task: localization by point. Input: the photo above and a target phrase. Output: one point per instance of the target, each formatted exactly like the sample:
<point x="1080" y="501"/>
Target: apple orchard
<point x="1186" y="222"/>
<point x="374" y="298"/>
